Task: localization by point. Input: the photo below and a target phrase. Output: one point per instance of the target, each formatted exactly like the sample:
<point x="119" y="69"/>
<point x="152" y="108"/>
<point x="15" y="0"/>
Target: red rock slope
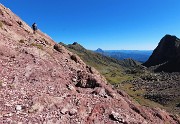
<point x="45" y="84"/>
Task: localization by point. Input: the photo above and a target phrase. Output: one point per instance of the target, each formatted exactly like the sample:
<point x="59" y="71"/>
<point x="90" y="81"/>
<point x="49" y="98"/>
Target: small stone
<point x="18" y="107"/>
<point x="102" y="93"/>
<point x="66" y="60"/>
<point x="64" y="111"/>
<point x="70" y="87"/>
<point x="4" y="84"/>
<point x="74" y="80"/>
<point x="72" y="112"/>
<point x="116" y="117"/>
<point x="8" y="115"/>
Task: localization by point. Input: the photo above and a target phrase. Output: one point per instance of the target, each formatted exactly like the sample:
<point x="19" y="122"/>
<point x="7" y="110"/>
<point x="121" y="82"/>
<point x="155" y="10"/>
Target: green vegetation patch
<point x="37" y="45"/>
<point x="115" y="76"/>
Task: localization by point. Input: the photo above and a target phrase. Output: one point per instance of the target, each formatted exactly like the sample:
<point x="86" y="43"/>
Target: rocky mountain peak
<point x="99" y="50"/>
<point x="169" y="37"/>
<point x="42" y="82"/>
<point x="166" y="53"/>
<point x="169" y="45"/>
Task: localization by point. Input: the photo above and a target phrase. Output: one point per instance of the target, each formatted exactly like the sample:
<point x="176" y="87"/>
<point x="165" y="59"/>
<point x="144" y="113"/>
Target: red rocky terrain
<point x="43" y="83"/>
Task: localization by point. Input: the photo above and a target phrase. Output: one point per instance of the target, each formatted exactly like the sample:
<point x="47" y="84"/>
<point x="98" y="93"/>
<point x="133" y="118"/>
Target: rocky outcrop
<point x="41" y="82"/>
<point x="167" y="55"/>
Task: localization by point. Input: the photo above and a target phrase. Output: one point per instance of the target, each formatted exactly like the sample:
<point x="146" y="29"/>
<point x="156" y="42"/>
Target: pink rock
<point x="72" y="112"/>
<point x="64" y="111"/>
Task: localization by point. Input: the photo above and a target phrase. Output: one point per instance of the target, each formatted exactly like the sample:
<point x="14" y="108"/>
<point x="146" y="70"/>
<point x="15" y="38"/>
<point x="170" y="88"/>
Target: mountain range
<point x="42" y="82"/>
<point x="138" y="55"/>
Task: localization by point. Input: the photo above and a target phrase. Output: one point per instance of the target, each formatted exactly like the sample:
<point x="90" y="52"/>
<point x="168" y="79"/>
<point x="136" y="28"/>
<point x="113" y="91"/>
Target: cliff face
<point x="42" y="82"/>
<point x="166" y="55"/>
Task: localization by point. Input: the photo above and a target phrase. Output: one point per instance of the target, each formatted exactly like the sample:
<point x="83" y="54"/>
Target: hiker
<point x="34" y="27"/>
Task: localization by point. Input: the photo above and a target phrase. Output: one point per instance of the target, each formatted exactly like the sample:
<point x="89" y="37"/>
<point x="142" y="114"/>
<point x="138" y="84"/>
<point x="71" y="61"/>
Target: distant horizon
<point x="105" y="24"/>
<point x="123" y="50"/>
<point x="111" y="49"/>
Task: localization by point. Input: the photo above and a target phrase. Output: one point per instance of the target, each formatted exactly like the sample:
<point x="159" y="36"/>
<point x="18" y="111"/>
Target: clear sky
<point x="106" y="24"/>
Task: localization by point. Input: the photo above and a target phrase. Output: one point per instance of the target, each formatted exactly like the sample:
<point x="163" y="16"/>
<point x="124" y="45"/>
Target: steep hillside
<point x="42" y="82"/>
<point x="166" y="56"/>
<point x="114" y="70"/>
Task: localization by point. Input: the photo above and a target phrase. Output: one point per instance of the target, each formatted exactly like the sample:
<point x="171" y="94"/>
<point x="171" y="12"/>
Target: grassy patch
<point x="37" y="45"/>
<point x="115" y="76"/>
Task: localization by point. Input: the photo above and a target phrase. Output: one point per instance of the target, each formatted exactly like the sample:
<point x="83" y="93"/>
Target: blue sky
<point x="106" y="24"/>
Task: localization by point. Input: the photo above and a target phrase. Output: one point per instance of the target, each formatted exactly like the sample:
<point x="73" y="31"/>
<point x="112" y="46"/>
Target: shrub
<point x="58" y="48"/>
<point x="73" y="57"/>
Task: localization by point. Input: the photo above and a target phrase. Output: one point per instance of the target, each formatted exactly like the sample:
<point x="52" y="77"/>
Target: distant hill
<point x="114" y="70"/>
<point x="138" y="55"/>
<point x="99" y="50"/>
<point x="166" y="56"/>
